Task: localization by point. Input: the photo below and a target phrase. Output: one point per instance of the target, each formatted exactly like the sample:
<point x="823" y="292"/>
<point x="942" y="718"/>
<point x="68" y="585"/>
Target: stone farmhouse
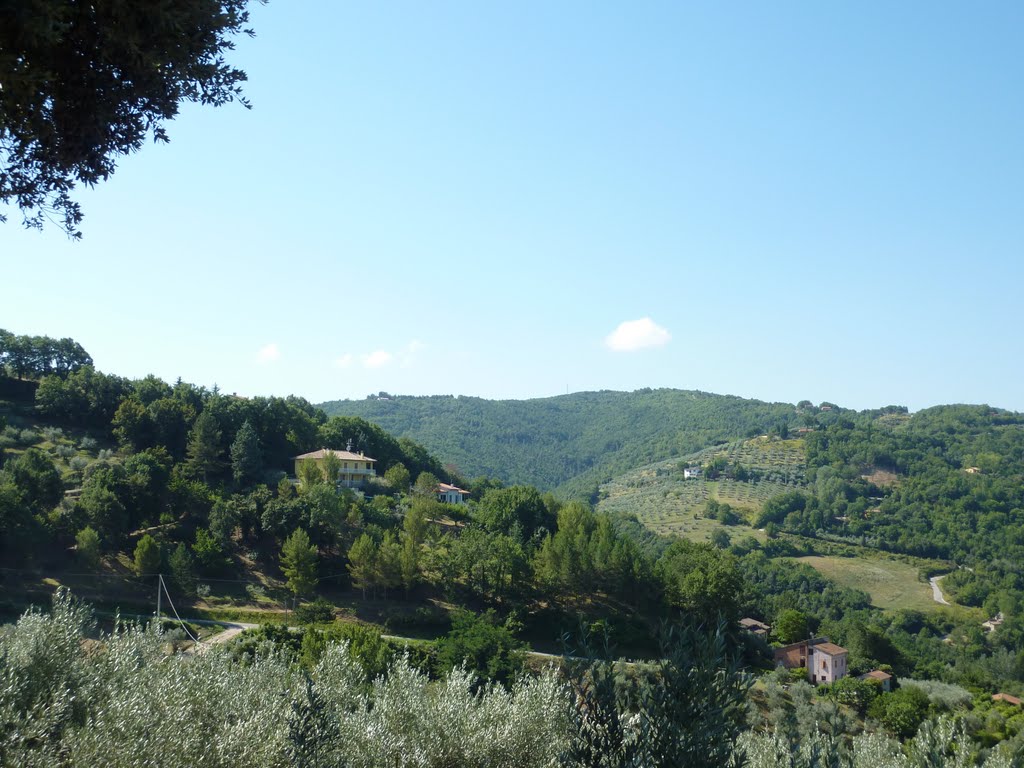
<point x="825" y="661"/>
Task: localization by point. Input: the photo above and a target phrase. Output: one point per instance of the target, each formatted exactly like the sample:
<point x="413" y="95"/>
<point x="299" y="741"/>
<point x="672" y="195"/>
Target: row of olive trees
<point x="70" y="696"/>
<point x="123" y="701"/>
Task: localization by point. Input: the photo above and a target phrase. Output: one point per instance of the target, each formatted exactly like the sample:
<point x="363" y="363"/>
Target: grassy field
<point x="892" y="584"/>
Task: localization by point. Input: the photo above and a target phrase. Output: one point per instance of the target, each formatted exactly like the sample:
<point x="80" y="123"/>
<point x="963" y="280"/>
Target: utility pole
<point x="159" y="590"/>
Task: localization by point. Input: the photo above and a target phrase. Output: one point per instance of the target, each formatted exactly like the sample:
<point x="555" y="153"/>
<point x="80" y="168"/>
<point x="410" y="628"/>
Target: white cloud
<point x="344" y="361"/>
<point x="268" y="354"/>
<point x="377" y="359"/>
<point x="408" y="356"/>
<point x="637" y="334"/>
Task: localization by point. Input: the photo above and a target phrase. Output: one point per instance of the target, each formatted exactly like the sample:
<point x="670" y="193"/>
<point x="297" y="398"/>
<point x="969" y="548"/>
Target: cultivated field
<point x="668" y="504"/>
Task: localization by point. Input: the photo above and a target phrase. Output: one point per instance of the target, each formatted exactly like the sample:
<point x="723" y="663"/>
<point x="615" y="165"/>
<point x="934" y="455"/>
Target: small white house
<point x="451" y="494"/>
<point x="691" y="473"/>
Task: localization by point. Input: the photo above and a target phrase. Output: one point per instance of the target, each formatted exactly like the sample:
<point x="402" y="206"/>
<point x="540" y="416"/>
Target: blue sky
<point x="780" y="201"/>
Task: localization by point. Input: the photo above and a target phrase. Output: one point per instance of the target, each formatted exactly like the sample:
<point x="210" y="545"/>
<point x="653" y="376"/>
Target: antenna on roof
<point x="349" y="445"/>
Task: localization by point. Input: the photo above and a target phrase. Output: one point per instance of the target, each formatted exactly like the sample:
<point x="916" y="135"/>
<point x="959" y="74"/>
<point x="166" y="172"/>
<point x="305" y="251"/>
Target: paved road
<point x="936" y="591"/>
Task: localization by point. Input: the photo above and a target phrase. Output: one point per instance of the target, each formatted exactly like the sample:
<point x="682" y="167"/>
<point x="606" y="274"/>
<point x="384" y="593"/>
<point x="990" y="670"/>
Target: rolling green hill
<point x="570" y="442"/>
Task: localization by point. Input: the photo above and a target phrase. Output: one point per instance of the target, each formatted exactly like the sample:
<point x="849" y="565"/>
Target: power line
<point x="170" y="602"/>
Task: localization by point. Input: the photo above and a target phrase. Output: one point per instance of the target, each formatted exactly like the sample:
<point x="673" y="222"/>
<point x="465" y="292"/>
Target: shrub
<point x="317" y="612"/>
<point x="53" y="434"/>
<point x="87" y="544"/>
<point x="147" y="556"/>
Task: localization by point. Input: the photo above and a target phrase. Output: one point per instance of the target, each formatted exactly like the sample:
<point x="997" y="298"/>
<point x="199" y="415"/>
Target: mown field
<point x="892" y="584"/>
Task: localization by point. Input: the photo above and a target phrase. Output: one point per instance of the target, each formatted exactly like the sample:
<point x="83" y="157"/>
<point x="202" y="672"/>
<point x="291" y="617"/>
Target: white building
<point x="451" y="494"/>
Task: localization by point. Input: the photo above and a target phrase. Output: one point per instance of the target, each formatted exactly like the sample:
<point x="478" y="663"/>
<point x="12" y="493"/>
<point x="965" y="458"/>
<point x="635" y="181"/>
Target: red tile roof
<point x="830" y="649"/>
<point x="1007" y="698"/>
<point x="877" y="674"/>
<point x="445" y="488"/>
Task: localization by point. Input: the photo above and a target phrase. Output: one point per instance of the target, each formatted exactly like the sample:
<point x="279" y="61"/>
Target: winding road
<point x="937" y="591"/>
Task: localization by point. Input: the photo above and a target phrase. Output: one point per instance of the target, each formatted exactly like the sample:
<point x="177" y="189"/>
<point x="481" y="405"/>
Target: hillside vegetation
<point x="568" y="443"/>
<point x="111" y="486"/>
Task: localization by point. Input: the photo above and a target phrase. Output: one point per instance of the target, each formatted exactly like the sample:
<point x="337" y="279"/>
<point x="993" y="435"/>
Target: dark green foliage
<point x="901" y="711"/>
<point x="210" y="556"/>
<point x="482" y="645"/>
<point x="936" y="508"/>
<point x="33" y="357"/>
<point x="852" y="692"/>
<point x="82" y="87"/>
<point x="586" y="553"/>
<point x="365" y="644"/>
<point x="398" y="477"/>
<point x="567" y="442"/>
<point x="147" y="556"/>
<point x="182" y="569"/>
<point x="102" y="507"/>
<point x="87" y="545"/>
<point x="132" y="426"/>
<point x="298" y="563"/>
<point x="246" y="461"/>
<point x="85" y="398"/>
<point x="517" y="509"/>
<point x="36" y="478"/>
<point x="688" y="707"/>
<point x="702" y="581"/>
<point x="790" y="626"/>
<point x="313" y="732"/>
<point x="319" y="611"/>
<point x="204" y="446"/>
<point x="774" y="585"/>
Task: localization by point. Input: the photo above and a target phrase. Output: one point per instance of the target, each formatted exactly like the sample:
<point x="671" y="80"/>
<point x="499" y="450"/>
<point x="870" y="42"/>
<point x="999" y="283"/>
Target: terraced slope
<point x="667" y="503"/>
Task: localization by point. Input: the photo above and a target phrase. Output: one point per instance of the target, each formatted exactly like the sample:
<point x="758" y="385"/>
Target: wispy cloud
<point x="377" y="359"/>
<point x="632" y="335"/>
<point x="345" y="361"/>
<point x="408" y="355"/>
<point x="268" y="354"/>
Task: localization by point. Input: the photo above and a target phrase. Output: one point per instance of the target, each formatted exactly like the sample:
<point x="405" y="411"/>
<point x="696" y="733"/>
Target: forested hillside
<point x="112" y="486"/>
<point x="571" y="442"/>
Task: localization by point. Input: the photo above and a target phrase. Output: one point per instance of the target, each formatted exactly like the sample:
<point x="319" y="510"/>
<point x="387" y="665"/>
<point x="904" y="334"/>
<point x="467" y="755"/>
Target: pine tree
<point x="298" y="562"/>
<point x="204" y="448"/>
<point x="410" y="562"/>
<point x="182" y="571"/>
<point x="147" y="556"/>
<point x="389" y="563"/>
<point x="246" y="460"/>
<point x="362" y="563"/>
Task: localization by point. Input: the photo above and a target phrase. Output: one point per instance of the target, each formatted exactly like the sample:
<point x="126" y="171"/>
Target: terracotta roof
<point x="877" y="674"/>
<point x="1007" y="698"/>
<point x="830" y="649"/>
<point x="344" y="455"/>
<point x="746" y="623"/>
<point x="445" y="488"/>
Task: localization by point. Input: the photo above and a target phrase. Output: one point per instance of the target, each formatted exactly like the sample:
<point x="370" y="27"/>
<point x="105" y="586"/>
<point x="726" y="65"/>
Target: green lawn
<point x="892" y="584"/>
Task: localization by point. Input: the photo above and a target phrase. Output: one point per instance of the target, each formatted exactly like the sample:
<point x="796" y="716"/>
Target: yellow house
<point x="355" y="467"/>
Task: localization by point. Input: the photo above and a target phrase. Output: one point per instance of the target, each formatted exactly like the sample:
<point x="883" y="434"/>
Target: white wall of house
<point x="825" y="668"/>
